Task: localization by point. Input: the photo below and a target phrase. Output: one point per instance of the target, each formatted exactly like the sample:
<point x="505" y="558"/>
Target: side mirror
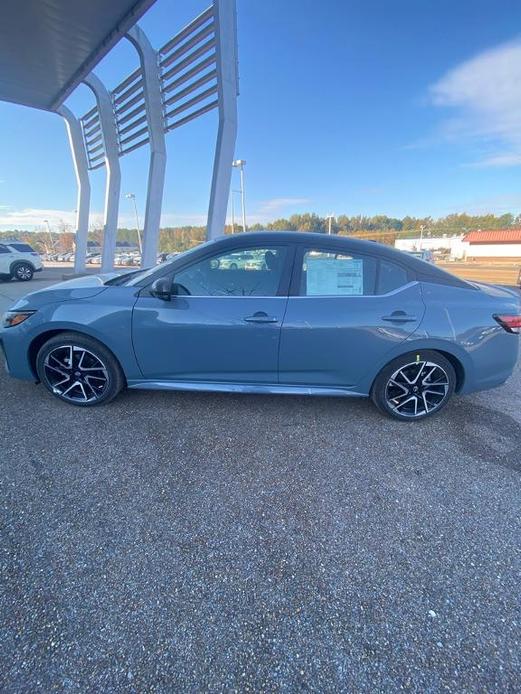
<point x="162" y="289"/>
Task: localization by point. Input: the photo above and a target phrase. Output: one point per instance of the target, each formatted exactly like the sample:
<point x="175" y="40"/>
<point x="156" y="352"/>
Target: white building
<point x="496" y="243"/>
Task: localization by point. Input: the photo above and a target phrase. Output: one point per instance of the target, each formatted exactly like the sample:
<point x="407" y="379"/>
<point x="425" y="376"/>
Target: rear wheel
<point x="414" y="386"/>
<point x="79" y="370"/>
<point x="23" y="272"/>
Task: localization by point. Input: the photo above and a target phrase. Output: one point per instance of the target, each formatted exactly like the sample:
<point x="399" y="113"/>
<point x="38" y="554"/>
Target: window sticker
<point x="334" y="276"/>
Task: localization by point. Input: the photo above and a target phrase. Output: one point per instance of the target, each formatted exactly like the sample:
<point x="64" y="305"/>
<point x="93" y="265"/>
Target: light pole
<point x="422" y="227"/>
<point x="239" y="164"/>
<point x="330" y="218"/>
<point x="132" y="196"/>
<point x="46" y="222"/>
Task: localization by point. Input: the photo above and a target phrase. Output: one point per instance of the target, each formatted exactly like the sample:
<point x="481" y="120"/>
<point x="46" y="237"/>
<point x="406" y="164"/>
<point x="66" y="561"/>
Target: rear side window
<point x="4" y="249"/>
<point x="337" y="274"/>
<point x="390" y="277"/>
<point x="22" y="247"/>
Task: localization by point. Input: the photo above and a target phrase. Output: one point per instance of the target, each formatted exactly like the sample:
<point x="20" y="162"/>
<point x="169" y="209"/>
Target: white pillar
<point x="82" y="177"/>
<point x="227" y="78"/>
<point x="113" y="185"/>
<point x="156" y="169"/>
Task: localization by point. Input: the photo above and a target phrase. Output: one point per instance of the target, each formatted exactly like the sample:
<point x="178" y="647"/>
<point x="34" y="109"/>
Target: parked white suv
<point x="18" y="260"/>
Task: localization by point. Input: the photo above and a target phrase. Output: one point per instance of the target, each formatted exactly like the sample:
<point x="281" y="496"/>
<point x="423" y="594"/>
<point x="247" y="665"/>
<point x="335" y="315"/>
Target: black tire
<point x="414" y="386"/>
<point x="22" y="271"/>
<point x="96" y="384"/>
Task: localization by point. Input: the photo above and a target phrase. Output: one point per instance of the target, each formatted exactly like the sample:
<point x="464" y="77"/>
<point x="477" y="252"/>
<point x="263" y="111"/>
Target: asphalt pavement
<point x="206" y="542"/>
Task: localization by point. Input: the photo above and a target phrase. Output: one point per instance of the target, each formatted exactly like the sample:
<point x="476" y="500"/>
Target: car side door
<point x="223" y="322"/>
<point x="345" y="312"/>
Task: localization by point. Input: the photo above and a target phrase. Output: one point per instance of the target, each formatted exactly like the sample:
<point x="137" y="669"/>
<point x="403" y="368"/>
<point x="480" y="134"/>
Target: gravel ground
<point x="196" y="542"/>
<point x="192" y="542"/>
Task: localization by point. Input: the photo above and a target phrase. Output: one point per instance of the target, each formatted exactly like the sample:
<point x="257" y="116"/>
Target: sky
<point x="397" y="107"/>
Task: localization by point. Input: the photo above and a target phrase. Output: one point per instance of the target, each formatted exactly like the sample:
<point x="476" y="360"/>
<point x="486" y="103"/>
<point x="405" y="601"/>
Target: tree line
<point x="181" y="238"/>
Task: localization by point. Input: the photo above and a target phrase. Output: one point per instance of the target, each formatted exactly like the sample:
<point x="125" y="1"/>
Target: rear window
<point x="22" y="247"/>
<point x="390" y="277"/>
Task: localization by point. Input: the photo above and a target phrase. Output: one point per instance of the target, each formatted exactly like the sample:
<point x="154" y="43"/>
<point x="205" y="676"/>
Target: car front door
<point x="346" y="311"/>
<point x="223" y="323"/>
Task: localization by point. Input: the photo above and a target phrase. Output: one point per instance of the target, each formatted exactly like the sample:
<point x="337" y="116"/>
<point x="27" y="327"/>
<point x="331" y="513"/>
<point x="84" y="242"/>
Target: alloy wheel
<point x="417" y="389"/>
<point x="23" y="272"/>
<point x="76" y="374"/>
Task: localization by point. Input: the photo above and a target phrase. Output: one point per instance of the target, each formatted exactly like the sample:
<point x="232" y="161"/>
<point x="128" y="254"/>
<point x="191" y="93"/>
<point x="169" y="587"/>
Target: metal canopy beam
<point x="113" y="184"/>
<point x="226" y="33"/>
<point x="82" y="177"/>
<point x="154" y="117"/>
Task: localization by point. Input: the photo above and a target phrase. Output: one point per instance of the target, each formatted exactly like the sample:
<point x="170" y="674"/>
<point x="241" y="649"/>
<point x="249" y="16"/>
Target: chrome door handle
<point x="261" y="317"/>
<point x="399" y="317"/>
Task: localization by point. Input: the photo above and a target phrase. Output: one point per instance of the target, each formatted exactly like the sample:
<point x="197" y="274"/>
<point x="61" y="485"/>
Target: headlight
<point x="12" y="318"/>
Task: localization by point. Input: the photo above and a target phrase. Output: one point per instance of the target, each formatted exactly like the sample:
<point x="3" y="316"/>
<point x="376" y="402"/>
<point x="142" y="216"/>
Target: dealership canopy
<point x="48" y="46"/>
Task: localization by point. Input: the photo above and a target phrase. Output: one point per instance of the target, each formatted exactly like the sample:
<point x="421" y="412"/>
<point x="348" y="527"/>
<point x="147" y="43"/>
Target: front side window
<point x="4" y="249"/>
<point x="337" y="274"/>
<point x="246" y="272"/>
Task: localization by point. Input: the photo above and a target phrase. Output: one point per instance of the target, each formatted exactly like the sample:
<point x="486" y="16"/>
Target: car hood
<point x="77" y="288"/>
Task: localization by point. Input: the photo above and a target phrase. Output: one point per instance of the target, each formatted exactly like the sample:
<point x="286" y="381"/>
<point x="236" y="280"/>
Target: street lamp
<point x="239" y="164"/>
<point x="132" y="196"/>
<point x="330" y="218"/>
<point x="46" y="222"/>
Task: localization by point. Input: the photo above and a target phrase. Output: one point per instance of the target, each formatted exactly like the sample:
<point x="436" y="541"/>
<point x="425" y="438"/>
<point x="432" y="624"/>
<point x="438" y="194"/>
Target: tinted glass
<point x="249" y="272"/>
<point x="22" y="247"/>
<point x="390" y="277"/>
<point x="4" y="249"/>
<point x="337" y="274"/>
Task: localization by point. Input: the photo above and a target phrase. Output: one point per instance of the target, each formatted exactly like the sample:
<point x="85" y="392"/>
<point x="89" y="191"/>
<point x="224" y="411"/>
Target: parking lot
<point x="202" y="542"/>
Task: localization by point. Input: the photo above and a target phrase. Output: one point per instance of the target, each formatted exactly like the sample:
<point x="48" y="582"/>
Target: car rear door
<point x="224" y="327"/>
<point x="345" y="312"/>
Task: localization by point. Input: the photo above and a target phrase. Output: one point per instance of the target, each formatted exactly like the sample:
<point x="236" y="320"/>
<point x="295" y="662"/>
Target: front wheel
<point x="414" y="386"/>
<point x="79" y="370"/>
<point x="23" y="272"/>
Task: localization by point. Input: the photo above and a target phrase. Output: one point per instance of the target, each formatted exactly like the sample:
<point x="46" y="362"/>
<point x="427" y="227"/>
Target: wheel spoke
<point x="409" y="399"/>
<point x="73" y="385"/>
<point x="398" y="385"/>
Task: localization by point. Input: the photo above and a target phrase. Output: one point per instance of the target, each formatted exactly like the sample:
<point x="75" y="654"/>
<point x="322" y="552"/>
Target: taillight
<point x="511" y="324"/>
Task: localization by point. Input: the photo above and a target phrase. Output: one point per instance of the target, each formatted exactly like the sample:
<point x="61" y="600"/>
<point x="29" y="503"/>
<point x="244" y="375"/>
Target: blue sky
<point x="347" y="106"/>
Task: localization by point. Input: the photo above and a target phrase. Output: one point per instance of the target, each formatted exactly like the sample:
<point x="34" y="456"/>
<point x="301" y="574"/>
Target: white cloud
<point x="277" y="205"/>
<point x="485" y="92"/>
<point x="32" y="219"/>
